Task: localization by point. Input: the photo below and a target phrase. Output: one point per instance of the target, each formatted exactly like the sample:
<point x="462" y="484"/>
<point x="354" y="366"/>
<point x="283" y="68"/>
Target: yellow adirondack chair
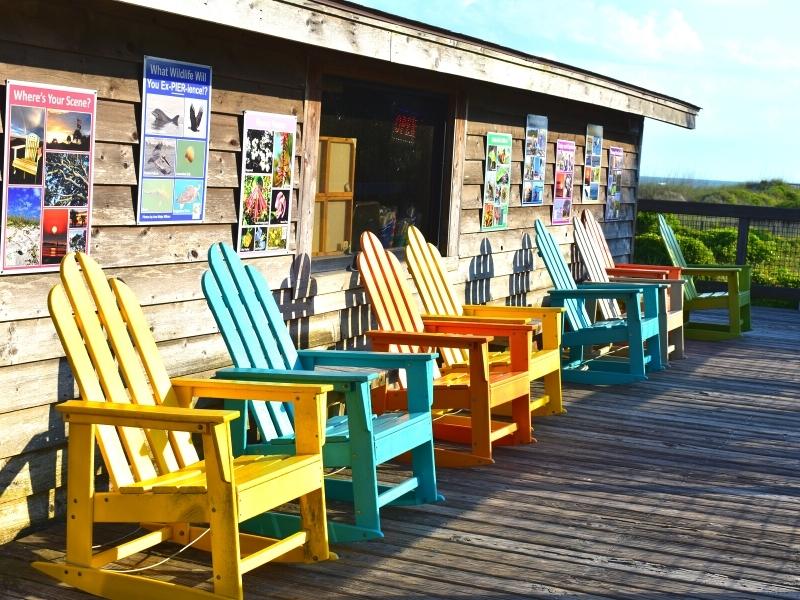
<point x="429" y="274"/>
<point x="142" y="422"/>
<point x="29" y="161"/>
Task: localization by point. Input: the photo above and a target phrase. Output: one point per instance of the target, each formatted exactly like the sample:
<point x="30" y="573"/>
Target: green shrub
<point x="650" y="250"/>
<point x="694" y="250"/>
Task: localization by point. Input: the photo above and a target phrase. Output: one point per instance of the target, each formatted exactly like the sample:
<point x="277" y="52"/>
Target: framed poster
<point x="565" y="172"/>
<point x="497" y="182"/>
<point x="534" y="161"/>
<point x="266" y="189"/>
<point x="173" y="159"/>
<point x="591" y="165"/>
<point x="47" y="175"/>
<point x="614" y="191"/>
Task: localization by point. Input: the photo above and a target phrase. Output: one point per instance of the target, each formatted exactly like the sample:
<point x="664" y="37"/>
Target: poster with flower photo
<point x="267" y="176"/>
<point x="497" y="182"/>
<point x="173" y="159"/>
<point x="592" y="161"/>
<point x="534" y="161"/>
<point x="47" y="175"/>
<point x="565" y="172"/>
<point x="614" y="191"/>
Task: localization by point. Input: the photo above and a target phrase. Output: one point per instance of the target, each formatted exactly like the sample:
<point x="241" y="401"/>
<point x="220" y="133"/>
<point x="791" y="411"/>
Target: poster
<point x="47" y="175"/>
<point x="614" y="191"/>
<point x="176" y="103"/>
<point x="591" y="168"/>
<point x="562" y="194"/>
<point x="535" y="160"/>
<point x="266" y="190"/>
<point x="497" y="182"/>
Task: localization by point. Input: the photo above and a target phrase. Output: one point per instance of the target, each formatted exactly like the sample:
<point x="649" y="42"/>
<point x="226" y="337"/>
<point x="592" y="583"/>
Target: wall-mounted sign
<point x="267" y="177"/>
<point x="591" y="165"/>
<point x="535" y="160"/>
<point x="614" y="190"/>
<point x="497" y="182"/>
<point x="565" y="171"/>
<point x="176" y="109"/>
<point x="47" y="176"/>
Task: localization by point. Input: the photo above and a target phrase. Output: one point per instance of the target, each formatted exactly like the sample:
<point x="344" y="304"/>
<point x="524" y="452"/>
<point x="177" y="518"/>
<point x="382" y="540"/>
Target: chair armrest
<point x="293" y="376"/>
<point x="637" y="273"/>
<point x="473" y="319"/>
<point x="595" y="293"/>
<point x="492" y="328"/>
<point x="194" y="387"/>
<point x="358" y="358"/>
<point x="167" y="418"/>
<point x="672" y="272"/>
<point x="441" y="340"/>
<point x="675" y="291"/>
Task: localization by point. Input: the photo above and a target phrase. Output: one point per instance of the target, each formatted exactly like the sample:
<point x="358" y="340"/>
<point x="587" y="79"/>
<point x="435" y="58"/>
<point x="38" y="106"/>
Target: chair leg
<point x="678" y="342"/>
<point x="746" y="325"/>
<point x="312" y="511"/>
<point x="552" y="387"/>
<point x="424" y="468"/>
<point x="636" y="354"/>
<point x="521" y="415"/>
<point x="480" y="418"/>
<point x="734" y="316"/>
<point x="365" y="482"/>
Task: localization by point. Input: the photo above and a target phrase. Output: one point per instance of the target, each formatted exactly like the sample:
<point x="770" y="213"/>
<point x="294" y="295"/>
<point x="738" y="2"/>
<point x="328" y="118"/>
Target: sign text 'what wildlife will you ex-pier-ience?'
<point x="176" y="110"/>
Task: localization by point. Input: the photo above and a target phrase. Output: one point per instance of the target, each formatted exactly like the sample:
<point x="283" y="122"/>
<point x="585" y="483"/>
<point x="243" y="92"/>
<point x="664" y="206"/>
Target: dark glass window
<point x="397" y="179"/>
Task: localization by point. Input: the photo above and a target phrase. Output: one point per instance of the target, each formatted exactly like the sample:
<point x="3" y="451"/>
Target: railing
<point x="784" y="223"/>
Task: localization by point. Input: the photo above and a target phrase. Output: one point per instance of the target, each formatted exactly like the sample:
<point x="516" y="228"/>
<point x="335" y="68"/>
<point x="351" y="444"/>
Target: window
<point x="381" y="160"/>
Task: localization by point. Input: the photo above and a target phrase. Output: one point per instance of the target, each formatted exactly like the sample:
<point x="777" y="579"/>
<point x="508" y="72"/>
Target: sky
<point x="739" y="60"/>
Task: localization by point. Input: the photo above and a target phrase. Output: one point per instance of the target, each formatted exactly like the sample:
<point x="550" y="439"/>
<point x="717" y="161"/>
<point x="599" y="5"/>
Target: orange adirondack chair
<point x="595" y="255"/>
<point x="440" y="302"/>
<point x="476" y="389"/>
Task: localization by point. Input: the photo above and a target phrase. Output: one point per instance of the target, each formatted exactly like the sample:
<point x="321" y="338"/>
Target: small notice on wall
<point x="535" y="160"/>
<point x="591" y="168"/>
<point x="176" y="108"/>
<point x="47" y="176"/>
<point x="497" y="182"/>
<point x="565" y="171"/>
<point x="267" y="177"/>
<point x="614" y="191"/>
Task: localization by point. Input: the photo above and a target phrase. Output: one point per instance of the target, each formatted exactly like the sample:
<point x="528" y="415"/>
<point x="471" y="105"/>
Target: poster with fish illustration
<point x="533" y="164"/>
<point x="47" y="175"/>
<point x="562" y="192"/>
<point x="176" y="110"/>
<point x="614" y="191"/>
<point x="266" y="188"/>
<point x="591" y="165"/>
<point x="497" y="182"/>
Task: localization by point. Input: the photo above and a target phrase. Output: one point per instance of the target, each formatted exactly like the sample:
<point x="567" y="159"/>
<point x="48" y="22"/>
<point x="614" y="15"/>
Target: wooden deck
<point x="684" y="486"/>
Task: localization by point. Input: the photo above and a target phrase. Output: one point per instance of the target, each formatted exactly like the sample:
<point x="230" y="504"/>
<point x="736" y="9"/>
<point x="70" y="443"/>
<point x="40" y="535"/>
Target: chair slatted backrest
<point x="384" y="278"/>
<point x="557" y="268"/>
<point x="253" y="328"/>
<point x="31" y="147"/>
<point x="676" y="256"/>
<point x="598" y="238"/>
<point x="112" y="354"/>
<point x="595" y="267"/>
<point x="430" y="276"/>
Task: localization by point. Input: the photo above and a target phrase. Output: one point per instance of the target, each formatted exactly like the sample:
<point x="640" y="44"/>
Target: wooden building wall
<point x="102" y="48"/>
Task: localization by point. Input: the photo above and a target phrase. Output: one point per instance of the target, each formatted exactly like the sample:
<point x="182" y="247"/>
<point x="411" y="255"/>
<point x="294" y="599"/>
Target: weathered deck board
<point x="683" y="486"/>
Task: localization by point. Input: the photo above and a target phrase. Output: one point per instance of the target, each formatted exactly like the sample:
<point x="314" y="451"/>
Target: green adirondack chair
<point x="262" y="350"/>
<point x="736" y="299"/>
<point x="639" y="331"/>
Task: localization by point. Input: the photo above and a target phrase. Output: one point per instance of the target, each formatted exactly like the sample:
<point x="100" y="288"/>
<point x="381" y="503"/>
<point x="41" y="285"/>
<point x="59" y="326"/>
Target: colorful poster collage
<point x="176" y="110"/>
<point x="266" y="195"/>
<point x="497" y="182"/>
<point x="565" y="172"/>
<point x="47" y="177"/>
<point x="535" y="160"/>
<point x="614" y="191"/>
<point x="591" y="169"/>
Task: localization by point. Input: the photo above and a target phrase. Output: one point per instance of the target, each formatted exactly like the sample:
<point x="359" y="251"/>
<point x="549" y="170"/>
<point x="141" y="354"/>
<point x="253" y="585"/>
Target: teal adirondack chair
<point x="610" y="368"/>
<point x="736" y="299"/>
<point x="262" y="350"/>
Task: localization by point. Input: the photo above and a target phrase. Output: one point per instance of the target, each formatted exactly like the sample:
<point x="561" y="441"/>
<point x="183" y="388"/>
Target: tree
<point x="66" y="179"/>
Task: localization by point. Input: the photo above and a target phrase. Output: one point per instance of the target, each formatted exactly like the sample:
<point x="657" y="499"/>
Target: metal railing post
<point x="741" y="243"/>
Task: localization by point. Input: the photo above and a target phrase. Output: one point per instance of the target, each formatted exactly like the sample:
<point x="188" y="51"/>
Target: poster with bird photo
<point x="266" y="190"/>
<point x="47" y="175"/>
<point x="176" y="100"/>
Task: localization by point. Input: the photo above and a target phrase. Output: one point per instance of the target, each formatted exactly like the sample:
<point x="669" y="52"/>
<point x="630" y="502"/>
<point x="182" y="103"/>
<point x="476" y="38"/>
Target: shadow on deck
<point x="683" y="486"/>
